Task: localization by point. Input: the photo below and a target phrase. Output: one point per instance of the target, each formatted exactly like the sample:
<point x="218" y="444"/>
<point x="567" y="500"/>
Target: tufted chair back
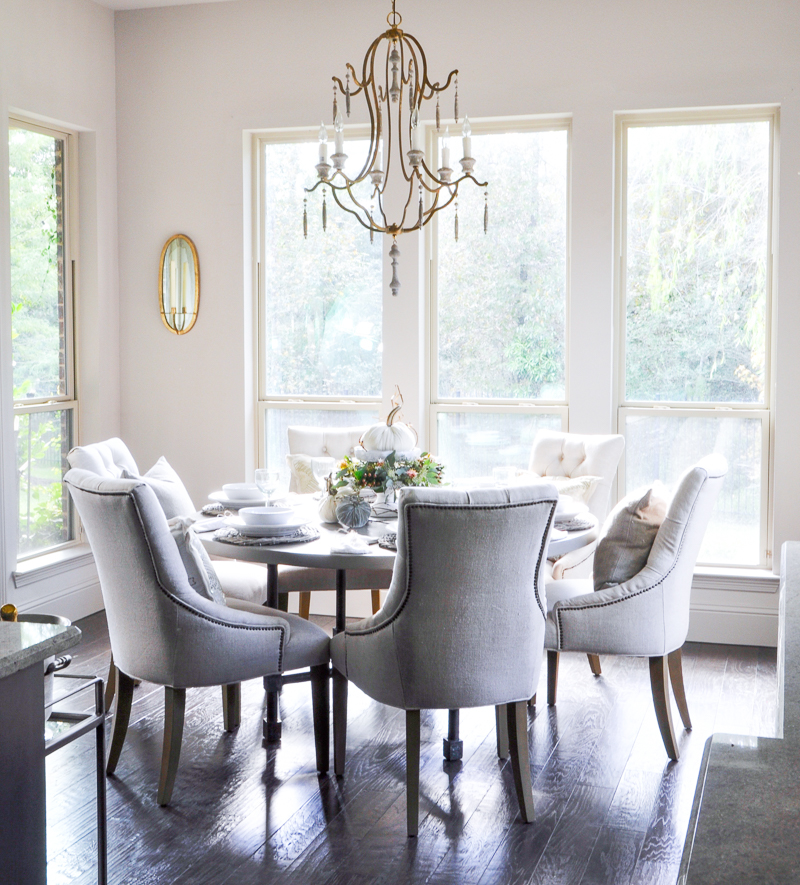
<point x="106" y="458"/>
<point x="573" y="454"/>
<point x="317" y="442"/>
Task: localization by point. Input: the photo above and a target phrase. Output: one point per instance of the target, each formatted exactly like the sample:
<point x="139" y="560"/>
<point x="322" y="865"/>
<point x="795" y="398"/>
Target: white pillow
<point x="168" y="488"/>
<point x="581" y="488"/>
<point x="628" y="535"/>
<point x="199" y="570"/>
<point x="305" y="482"/>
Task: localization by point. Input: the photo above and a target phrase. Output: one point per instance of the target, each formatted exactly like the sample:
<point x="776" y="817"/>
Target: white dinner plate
<point x="266" y="531"/>
<point x="236" y="503"/>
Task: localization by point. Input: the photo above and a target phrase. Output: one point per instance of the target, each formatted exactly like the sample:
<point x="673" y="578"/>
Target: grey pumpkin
<point x="353" y="512"/>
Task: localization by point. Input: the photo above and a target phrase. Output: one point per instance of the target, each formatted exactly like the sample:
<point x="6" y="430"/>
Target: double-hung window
<point x="42" y="342"/>
<point x="320" y="309"/>
<point x="695" y="270"/>
<point x="499" y="301"/>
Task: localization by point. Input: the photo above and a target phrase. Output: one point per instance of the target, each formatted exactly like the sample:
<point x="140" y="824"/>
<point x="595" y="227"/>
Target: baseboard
<point x="74" y="603"/>
<point x="729" y="626"/>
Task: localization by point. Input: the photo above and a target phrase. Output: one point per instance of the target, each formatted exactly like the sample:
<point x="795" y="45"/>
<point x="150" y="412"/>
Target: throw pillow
<point x="305" y="482"/>
<point x="168" y="488"/>
<point x="581" y="488"/>
<point x="199" y="570"/>
<point x="627" y="537"/>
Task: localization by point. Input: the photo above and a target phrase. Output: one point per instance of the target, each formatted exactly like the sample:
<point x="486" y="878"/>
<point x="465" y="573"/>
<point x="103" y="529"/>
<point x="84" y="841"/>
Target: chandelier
<point x="395" y="137"/>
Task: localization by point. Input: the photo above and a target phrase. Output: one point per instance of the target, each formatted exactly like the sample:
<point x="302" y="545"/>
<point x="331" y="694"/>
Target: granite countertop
<point x="23" y="644"/>
<point x="745" y="824"/>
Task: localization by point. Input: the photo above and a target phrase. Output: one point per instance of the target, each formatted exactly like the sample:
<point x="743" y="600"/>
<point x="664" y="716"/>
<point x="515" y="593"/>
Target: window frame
<point x="661" y="408"/>
<point x="68" y="401"/>
<point x="486" y="405"/>
<point x="264" y="399"/>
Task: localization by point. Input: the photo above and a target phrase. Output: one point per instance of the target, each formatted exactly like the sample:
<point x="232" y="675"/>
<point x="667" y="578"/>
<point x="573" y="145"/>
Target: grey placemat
<point x="576" y="524"/>
<point x="232" y="536"/>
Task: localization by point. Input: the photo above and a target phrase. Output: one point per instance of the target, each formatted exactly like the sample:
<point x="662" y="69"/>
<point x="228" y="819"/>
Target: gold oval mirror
<point x="179" y="284"/>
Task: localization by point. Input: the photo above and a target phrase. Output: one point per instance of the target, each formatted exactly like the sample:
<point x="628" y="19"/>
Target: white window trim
<point x="762" y="411"/>
<point x="68" y="400"/>
<point x="485" y="405"/>
<point x="267" y="400"/>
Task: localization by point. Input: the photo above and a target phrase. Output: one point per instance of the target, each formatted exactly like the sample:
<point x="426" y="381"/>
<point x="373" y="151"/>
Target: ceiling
<point x="146" y="4"/>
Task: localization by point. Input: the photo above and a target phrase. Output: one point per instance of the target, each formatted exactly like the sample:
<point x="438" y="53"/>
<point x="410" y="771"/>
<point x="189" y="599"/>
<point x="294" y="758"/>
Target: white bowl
<point x="266" y="515"/>
<point x="242" y="491"/>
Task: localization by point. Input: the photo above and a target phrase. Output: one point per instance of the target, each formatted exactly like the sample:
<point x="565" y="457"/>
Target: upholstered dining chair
<point x="463" y="623"/>
<point x="648" y="614"/>
<point x="337" y="443"/>
<point x="111" y="459"/>
<point x="163" y="631"/>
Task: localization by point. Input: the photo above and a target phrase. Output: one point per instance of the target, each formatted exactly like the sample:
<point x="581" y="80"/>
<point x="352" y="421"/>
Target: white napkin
<point x="351" y="543"/>
<point x="209" y="525"/>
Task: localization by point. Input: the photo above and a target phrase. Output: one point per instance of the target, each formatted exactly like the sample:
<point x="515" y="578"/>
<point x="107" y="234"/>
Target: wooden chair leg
<point x="174" y="709"/>
<point x="304" y="604"/>
<point x="501" y="726"/>
<point x="676" y="678"/>
<point x="111" y="684"/>
<point x="412" y="770"/>
<point x="339" y="721"/>
<point x="122" y="716"/>
<point x="659" y="683"/>
<point x="552" y="677"/>
<point x="320" y="705"/>
<point x="532" y="701"/>
<point x="594" y="663"/>
<point x="517" y="719"/>
<point x="376" y="601"/>
<point x="232" y="705"/>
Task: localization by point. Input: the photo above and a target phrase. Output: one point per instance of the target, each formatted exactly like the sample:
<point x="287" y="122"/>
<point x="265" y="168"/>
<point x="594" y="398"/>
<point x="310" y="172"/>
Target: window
<point x="41" y="296"/>
<point x="695" y="236"/>
<point x="499" y="303"/>
<point x="320" y="308"/>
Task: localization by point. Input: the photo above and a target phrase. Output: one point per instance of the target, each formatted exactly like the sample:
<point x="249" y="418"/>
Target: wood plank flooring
<point x="610" y="808"/>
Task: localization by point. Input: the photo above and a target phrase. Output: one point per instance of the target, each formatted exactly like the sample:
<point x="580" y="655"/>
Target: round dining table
<point x="318" y="554"/>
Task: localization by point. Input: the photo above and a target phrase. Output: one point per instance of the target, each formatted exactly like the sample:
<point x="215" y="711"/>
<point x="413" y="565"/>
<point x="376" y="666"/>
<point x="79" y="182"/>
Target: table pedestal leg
<point x="452" y="747"/>
<point x="341" y="590"/>
<point x="272" y="684"/>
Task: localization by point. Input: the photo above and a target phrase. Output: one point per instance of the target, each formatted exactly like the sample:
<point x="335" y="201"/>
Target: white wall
<point x="57" y="64"/>
<point x="190" y="79"/>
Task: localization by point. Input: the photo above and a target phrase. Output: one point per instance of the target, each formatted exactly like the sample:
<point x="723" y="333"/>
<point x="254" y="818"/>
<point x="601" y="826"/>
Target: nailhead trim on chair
<point x="174" y="598"/>
<point x="379" y="627"/>
<point x="581" y="608"/>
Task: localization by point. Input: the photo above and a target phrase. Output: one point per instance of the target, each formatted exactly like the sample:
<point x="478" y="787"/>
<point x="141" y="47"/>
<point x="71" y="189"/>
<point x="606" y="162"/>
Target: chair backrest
<point x="674" y="553"/>
<point x="316" y="442"/>
<point x="465" y="615"/>
<point x="573" y="454"/>
<point x="161" y="630"/>
<point x="107" y="458"/>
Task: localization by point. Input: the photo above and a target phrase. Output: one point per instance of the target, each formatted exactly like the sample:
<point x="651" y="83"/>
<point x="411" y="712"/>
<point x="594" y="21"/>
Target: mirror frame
<point x="196" y="285"/>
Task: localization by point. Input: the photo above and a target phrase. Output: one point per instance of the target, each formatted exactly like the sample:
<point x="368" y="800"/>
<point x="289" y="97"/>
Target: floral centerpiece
<point x="388" y="474"/>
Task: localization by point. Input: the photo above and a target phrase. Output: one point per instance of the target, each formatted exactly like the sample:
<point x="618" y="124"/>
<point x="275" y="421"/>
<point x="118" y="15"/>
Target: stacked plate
<point x="237" y="495"/>
<point x="266" y="522"/>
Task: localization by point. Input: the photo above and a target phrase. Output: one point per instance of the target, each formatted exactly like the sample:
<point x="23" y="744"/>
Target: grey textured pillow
<point x="199" y="570"/>
<point x="168" y="488"/>
<point x="628" y="535"/>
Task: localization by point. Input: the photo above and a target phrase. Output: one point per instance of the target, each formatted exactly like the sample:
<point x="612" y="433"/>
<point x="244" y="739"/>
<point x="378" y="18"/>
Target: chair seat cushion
<point x="242" y="580"/>
<point x="308" y="645"/>
<point x="292" y="579"/>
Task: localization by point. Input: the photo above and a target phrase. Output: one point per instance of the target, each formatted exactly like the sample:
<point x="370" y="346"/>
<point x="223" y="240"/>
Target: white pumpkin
<point x="327" y="508"/>
<point x="393" y="436"/>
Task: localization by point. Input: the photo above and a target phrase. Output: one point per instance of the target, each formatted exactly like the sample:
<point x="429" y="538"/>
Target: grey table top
<point x="745" y="824"/>
<point x="25" y="644"/>
<point x="317" y="554"/>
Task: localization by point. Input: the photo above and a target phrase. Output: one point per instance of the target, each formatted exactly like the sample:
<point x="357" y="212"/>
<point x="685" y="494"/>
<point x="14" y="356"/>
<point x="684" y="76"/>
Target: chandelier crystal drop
<point x="396" y="154"/>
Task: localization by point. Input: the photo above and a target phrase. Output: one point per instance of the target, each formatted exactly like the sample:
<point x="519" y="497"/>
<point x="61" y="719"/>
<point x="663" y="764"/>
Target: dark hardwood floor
<point x="609" y="806"/>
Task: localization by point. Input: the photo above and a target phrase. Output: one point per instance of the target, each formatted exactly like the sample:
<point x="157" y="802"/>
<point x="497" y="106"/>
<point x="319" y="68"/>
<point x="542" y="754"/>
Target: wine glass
<point x="268" y="481"/>
<point x="322" y="468"/>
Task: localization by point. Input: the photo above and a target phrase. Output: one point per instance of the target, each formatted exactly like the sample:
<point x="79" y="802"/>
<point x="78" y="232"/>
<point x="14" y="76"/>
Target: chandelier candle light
<point x="400" y="136"/>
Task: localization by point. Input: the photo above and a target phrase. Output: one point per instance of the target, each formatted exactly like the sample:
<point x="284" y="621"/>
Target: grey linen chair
<point x="333" y="442"/>
<point x="162" y="631"/>
<point x="649" y="614"/>
<point x="239" y="580"/>
<point x="463" y="623"/>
